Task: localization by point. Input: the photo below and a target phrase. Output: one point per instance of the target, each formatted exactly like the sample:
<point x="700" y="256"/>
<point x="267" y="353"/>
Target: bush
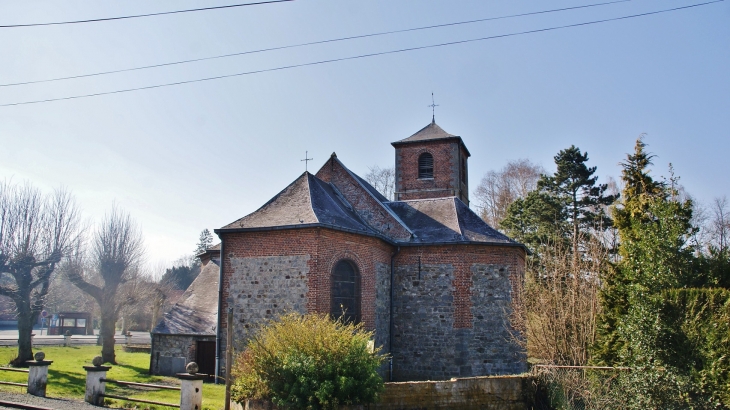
<point x="308" y="362"/>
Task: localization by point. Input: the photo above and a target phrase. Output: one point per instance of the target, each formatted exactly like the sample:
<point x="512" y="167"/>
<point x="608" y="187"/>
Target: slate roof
<point x="311" y="202"/>
<point x="196" y="312"/>
<point x="308" y="201"/>
<point x="445" y="220"/>
<point x="431" y="132"/>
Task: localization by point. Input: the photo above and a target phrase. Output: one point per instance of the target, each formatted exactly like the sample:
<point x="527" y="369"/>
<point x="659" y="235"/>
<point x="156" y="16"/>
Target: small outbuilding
<point x="187" y="332"/>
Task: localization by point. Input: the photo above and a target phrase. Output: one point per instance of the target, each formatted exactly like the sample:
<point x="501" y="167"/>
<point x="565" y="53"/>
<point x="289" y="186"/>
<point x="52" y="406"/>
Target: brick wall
<point x="369" y="209"/>
<point x="447" y="157"/>
<point x="451" y="312"/>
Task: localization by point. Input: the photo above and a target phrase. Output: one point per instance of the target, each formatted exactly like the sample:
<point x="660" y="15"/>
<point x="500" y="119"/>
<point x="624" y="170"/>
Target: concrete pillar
<point x="67" y="340"/>
<point x="38" y="375"/>
<point x="128" y="339"/>
<point x="94" y="386"/>
<point x="191" y="388"/>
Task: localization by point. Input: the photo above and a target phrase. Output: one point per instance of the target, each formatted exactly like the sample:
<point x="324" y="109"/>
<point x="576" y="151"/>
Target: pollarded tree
<point x="36" y="232"/>
<point x="115" y="256"/>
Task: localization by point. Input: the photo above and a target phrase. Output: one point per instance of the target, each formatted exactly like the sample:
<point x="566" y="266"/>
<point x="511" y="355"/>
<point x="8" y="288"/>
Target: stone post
<point x="67" y="339"/>
<point x="128" y="338"/>
<point x="38" y="375"/>
<point x="191" y="388"/>
<point x="94" y="385"/>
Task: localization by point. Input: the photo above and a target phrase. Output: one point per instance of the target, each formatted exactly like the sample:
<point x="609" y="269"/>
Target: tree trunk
<point x="25" y="328"/>
<point x="107" y="330"/>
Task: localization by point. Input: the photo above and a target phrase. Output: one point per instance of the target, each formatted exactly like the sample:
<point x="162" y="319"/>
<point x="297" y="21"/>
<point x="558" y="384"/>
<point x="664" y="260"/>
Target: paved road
<point x="42" y="402"/>
<point x="10" y="338"/>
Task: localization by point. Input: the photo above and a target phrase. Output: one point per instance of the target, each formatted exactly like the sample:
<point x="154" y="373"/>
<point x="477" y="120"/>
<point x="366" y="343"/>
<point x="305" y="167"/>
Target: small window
<point x="346" y="292"/>
<point x="425" y="165"/>
<point x="69" y="322"/>
<point x="80" y="322"/>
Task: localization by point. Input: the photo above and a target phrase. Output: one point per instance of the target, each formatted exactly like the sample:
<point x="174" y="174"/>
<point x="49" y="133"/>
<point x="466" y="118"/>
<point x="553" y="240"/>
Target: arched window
<point x="425" y="165"/>
<point x="346" y="292"/>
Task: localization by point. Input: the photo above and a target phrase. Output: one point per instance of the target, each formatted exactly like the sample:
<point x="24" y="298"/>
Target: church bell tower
<point x="431" y="164"/>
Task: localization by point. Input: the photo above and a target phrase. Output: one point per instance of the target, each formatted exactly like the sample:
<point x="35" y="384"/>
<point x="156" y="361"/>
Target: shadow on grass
<point x="73" y="383"/>
<point x="142" y="371"/>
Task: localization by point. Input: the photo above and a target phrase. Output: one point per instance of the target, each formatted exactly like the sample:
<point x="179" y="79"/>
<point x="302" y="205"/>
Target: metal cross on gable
<point x="306" y="160"/>
<point x="433" y="109"/>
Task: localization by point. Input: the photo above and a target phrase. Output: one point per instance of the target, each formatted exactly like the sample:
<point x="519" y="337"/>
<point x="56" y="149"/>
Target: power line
<point x="366" y="55"/>
<point x="142" y="15"/>
<point x="311" y="43"/>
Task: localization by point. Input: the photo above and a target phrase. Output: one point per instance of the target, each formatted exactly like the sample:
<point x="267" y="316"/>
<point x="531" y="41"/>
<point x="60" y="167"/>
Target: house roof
<point x="196" y="313"/>
<point x="431" y="132"/>
<point x="445" y="220"/>
<point x="308" y="201"/>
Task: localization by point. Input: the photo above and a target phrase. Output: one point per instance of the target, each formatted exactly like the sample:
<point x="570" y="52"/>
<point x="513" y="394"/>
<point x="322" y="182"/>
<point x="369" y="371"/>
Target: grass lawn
<point x="67" y="378"/>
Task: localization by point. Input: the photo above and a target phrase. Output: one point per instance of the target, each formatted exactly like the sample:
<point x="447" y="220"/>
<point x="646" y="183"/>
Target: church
<point x="423" y="271"/>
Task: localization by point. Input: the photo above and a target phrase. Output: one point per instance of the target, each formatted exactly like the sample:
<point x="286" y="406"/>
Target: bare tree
<point x="382" y="179"/>
<point x="115" y="256"/>
<point x="555" y="309"/>
<point x="36" y="232"/>
<point x="719" y="225"/>
<point x="498" y="189"/>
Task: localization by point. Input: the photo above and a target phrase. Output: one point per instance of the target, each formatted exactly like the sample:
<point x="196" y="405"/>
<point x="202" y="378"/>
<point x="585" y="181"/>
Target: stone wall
<point x="451" y="312"/>
<point x="477" y="393"/>
<point x="272" y="272"/>
<point x="170" y="353"/>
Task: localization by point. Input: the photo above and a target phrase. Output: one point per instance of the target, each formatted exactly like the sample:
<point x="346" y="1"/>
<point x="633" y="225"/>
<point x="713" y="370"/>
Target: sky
<point x="184" y="158"/>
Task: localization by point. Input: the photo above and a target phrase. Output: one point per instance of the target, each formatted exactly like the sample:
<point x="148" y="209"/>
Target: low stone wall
<point x="489" y="392"/>
<point x="495" y="392"/>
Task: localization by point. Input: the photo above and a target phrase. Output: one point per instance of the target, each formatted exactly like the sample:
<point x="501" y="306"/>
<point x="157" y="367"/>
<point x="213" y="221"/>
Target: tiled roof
<point x="306" y="201"/>
<point x="196" y="313"/>
<point x="441" y="220"/>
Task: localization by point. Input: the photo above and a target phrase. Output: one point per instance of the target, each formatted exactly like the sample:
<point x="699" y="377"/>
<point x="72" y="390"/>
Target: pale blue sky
<point x="196" y="156"/>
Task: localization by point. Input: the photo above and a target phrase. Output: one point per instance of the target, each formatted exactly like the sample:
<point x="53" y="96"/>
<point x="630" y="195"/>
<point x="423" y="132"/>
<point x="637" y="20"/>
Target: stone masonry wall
<point x="451" y="312"/>
<point x="474" y="393"/>
<point x="272" y="272"/>
<point x="173" y="346"/>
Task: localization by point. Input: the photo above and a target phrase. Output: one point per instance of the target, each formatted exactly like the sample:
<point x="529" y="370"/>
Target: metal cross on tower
<point x="306" y="160"/>
<point x="433" y="109"/>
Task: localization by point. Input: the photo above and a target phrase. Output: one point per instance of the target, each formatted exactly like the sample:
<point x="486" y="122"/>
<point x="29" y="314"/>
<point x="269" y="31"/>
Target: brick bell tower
<point x="431" y="164"/>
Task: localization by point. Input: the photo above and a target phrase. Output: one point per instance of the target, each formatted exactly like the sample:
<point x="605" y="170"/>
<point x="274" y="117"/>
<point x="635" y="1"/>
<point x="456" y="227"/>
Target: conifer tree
<point x="565" y="204"/>
<point x="654" y="227"/>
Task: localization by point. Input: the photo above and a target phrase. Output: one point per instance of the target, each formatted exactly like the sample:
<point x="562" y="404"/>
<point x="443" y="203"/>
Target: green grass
<point x="67" y="378"/>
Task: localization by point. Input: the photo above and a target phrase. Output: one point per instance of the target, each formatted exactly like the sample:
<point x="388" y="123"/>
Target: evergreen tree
<point x="564" y="206"/>
<point x="654" y="227"/>
<point x="204" y="242"/>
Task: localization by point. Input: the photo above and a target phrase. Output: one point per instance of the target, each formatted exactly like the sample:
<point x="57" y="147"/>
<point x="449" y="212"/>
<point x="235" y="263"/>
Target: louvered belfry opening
<point x="425" y="165"/>
<point x="346" y="292"/>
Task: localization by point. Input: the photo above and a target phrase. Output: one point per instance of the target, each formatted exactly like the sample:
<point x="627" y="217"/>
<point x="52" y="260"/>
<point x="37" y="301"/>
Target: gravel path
<point x="59" y="404"/>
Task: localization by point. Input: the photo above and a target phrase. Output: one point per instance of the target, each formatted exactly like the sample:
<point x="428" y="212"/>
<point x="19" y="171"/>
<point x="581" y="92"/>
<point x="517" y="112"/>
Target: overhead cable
<point x="134" y="16"/>
<point x="310" y="44"/>
<point x="366" y="55"/>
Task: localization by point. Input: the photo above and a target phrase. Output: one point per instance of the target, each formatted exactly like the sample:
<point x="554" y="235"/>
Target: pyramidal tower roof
<point x="431" y="132"/>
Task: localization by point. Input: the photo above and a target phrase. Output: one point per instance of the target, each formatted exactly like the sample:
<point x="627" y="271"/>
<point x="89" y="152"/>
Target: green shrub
<point x="308" y="362"/>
